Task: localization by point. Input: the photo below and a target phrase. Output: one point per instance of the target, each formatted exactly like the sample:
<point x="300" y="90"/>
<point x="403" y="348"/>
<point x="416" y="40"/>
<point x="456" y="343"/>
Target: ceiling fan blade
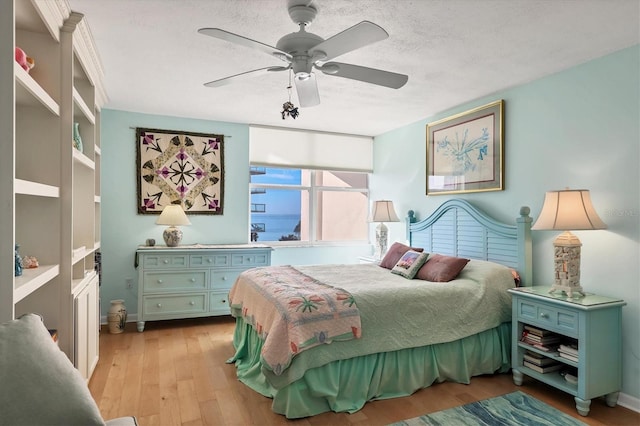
<point x="360" y="35"/>
<point x="368" y="75"/>
<point x="307" y="90"/>
<point x="243" y="75"/>
<point x="244" y="41"/>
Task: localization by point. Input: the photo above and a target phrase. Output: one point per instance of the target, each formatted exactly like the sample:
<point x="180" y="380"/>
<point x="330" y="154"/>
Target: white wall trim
<point x="628" y="401"/>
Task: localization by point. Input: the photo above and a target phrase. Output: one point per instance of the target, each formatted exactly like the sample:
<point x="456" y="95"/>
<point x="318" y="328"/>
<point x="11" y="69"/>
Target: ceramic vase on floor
<point x="117" y="316"/>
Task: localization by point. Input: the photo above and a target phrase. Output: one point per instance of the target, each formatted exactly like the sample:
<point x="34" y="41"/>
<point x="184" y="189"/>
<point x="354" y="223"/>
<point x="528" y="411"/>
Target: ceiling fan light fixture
<point x="329" y="68"/>
<point x="302" y="76"/>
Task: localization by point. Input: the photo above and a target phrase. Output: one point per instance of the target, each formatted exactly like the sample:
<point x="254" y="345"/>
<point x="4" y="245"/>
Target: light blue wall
<point x="577" y="129"/>
<point x="123" y="229"/>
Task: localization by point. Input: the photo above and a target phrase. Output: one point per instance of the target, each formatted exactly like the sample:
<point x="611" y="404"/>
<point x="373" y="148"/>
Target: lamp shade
<point x="383" y="211"/>
<point x="173" y="215"/>
<point x="569" y="209"/>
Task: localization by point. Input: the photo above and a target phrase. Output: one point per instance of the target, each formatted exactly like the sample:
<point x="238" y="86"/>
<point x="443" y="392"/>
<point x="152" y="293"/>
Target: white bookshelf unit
<point x="50" y="191"/>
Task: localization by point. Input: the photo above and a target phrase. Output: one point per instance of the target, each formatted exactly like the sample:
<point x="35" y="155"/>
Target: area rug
<point x="513" y="409"/>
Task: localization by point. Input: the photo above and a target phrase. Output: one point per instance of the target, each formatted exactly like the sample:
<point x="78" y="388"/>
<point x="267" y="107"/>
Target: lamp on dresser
<point x="383" y="211"/>
<point x="564" y="210"/>
<point x="174" y="216"/>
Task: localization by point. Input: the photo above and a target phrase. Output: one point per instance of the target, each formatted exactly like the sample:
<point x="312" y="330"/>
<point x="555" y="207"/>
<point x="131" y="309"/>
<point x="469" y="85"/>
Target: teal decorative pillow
<point x="410" y="263"/>
<point x="38" y="383"/>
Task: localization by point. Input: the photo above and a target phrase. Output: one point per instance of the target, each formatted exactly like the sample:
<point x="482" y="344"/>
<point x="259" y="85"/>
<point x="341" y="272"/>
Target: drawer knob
<point x="209" y="260"/>
<point x="159" y="281"/>
<point x="159" y="305"/>
<point x="224" y="278"/>
<point x="543" y="315"/>
<point x="193" y="280"/>
<point x="224" y="301"/>
<point x="165" y="261"/>
<point x="192" y="303"/>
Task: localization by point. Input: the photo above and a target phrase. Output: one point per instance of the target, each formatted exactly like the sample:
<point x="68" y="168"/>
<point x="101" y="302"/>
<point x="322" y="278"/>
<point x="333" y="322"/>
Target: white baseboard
<point x="628" y="401"/>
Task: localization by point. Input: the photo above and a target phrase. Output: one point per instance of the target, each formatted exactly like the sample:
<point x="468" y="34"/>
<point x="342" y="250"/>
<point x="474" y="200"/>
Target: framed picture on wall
<point x="177" y="167"/>
<point x="465" y="151"/>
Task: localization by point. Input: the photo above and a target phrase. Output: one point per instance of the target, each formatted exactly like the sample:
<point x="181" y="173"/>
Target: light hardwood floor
<point x="175" y="374"/>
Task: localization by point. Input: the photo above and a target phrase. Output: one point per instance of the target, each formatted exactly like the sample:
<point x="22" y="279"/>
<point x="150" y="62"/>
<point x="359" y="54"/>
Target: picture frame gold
<point x="465" y="151"/>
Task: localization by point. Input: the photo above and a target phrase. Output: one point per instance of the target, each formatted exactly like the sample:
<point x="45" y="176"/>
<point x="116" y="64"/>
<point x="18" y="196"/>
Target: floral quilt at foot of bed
<point x="293" y="312"/>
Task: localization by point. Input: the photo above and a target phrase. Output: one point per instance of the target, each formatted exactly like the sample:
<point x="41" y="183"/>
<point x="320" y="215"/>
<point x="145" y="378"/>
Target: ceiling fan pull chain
<point x="288" y="109"/>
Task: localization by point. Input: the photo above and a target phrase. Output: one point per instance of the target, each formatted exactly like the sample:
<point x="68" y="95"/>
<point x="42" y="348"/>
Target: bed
<point x="391" y="336"/>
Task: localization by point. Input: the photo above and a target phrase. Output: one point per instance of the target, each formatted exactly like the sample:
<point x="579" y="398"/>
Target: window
<point x="308" y="205"/>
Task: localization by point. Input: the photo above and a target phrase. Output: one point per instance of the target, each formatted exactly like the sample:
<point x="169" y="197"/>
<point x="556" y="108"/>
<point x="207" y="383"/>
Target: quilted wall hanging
<point x="180" y="168"/>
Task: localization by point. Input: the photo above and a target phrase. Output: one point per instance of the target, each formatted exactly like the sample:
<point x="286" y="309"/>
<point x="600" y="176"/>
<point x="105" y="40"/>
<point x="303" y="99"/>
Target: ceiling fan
<point x="303" y="52"/>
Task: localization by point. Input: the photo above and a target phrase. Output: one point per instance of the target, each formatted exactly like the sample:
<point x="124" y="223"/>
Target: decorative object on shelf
<point x="180" y="167"/>
<point x="173" y="215"/>
<point x="464" y="152"/>
<point x="117" y="316"/>
<point x="23" y="60"/>
<point x="564" y="210"/>
<point x="18" y="262"/>
<point x="383" y="211"/>
<point x="30" y="262"/>
<point x="77" y="140"/>
<point x="151" y="242"/>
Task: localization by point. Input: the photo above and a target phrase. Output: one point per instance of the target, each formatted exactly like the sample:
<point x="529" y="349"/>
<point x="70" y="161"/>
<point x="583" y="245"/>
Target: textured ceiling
<point x="453" y="51"/>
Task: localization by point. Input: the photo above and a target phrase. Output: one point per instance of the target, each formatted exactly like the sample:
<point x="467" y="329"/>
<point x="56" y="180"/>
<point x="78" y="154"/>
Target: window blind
<point x="271" y="146"/>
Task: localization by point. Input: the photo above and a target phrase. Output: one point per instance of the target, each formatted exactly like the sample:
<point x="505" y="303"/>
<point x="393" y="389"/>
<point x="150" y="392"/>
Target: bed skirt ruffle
<point x="346" y="385"/>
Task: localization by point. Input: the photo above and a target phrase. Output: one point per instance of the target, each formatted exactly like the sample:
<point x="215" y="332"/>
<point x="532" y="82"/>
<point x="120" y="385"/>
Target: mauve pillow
<point x="395" y="253"/>
<point x="441" y="268"/>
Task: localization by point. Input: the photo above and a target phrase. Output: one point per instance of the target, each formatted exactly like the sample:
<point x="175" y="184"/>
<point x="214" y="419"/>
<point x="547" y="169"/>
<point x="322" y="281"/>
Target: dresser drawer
<point x="219" y="303"/>
<point x="250" y="260"/>
<point x="223" y="280"/>
<point x="151" y="261"/>
<point x="565" y="321"/>
<point x="175" y="304"/>
<point x="208" y="260"/>
<point x="155" y="282"/>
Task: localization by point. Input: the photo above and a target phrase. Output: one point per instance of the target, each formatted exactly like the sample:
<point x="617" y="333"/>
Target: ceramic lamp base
<point x="172" y="236"/>
<point x="382" y="233"/>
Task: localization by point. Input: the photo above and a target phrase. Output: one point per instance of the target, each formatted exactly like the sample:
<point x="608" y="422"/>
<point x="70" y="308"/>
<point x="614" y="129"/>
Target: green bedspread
<point x="397" y="313"/>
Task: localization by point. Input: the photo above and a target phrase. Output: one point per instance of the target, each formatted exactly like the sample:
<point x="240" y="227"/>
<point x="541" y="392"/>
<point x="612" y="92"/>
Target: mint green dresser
<point x="191" y="281"/>
<point x="593" y="322"/>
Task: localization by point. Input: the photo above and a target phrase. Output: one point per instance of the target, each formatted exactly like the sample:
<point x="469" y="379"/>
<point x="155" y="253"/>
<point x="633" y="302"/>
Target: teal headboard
<point x="457" y="228"/>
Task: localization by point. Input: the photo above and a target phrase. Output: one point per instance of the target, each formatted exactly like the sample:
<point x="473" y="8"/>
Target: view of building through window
<point x="308" y="205"/>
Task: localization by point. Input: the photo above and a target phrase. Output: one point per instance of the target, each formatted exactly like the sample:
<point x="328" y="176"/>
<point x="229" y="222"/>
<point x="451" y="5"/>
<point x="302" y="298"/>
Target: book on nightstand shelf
<point x="538" y="359"/>
<point x="538" y="331"/>
<point x="548" y="343"/>
<point x="568" y="351"/>
<point x="544" y="369"/>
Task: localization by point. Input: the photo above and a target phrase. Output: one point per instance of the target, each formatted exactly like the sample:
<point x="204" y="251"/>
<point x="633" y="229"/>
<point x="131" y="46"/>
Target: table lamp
<point x="564" y="210"/>
<point x="173" y="215"/>
<point x="383" y="211"/>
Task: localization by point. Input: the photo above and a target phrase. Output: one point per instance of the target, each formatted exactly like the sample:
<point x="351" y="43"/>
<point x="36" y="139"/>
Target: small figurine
<point x="23" y="60"/>
<point x="18" y="262"/>
<point x="30" y="262"/>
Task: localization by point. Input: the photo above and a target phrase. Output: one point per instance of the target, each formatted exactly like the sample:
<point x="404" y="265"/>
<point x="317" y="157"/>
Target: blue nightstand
<point x="592" y="322"/>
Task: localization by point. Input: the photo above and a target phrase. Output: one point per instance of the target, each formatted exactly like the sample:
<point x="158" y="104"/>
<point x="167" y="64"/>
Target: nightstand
<point x="592" y="325"/>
